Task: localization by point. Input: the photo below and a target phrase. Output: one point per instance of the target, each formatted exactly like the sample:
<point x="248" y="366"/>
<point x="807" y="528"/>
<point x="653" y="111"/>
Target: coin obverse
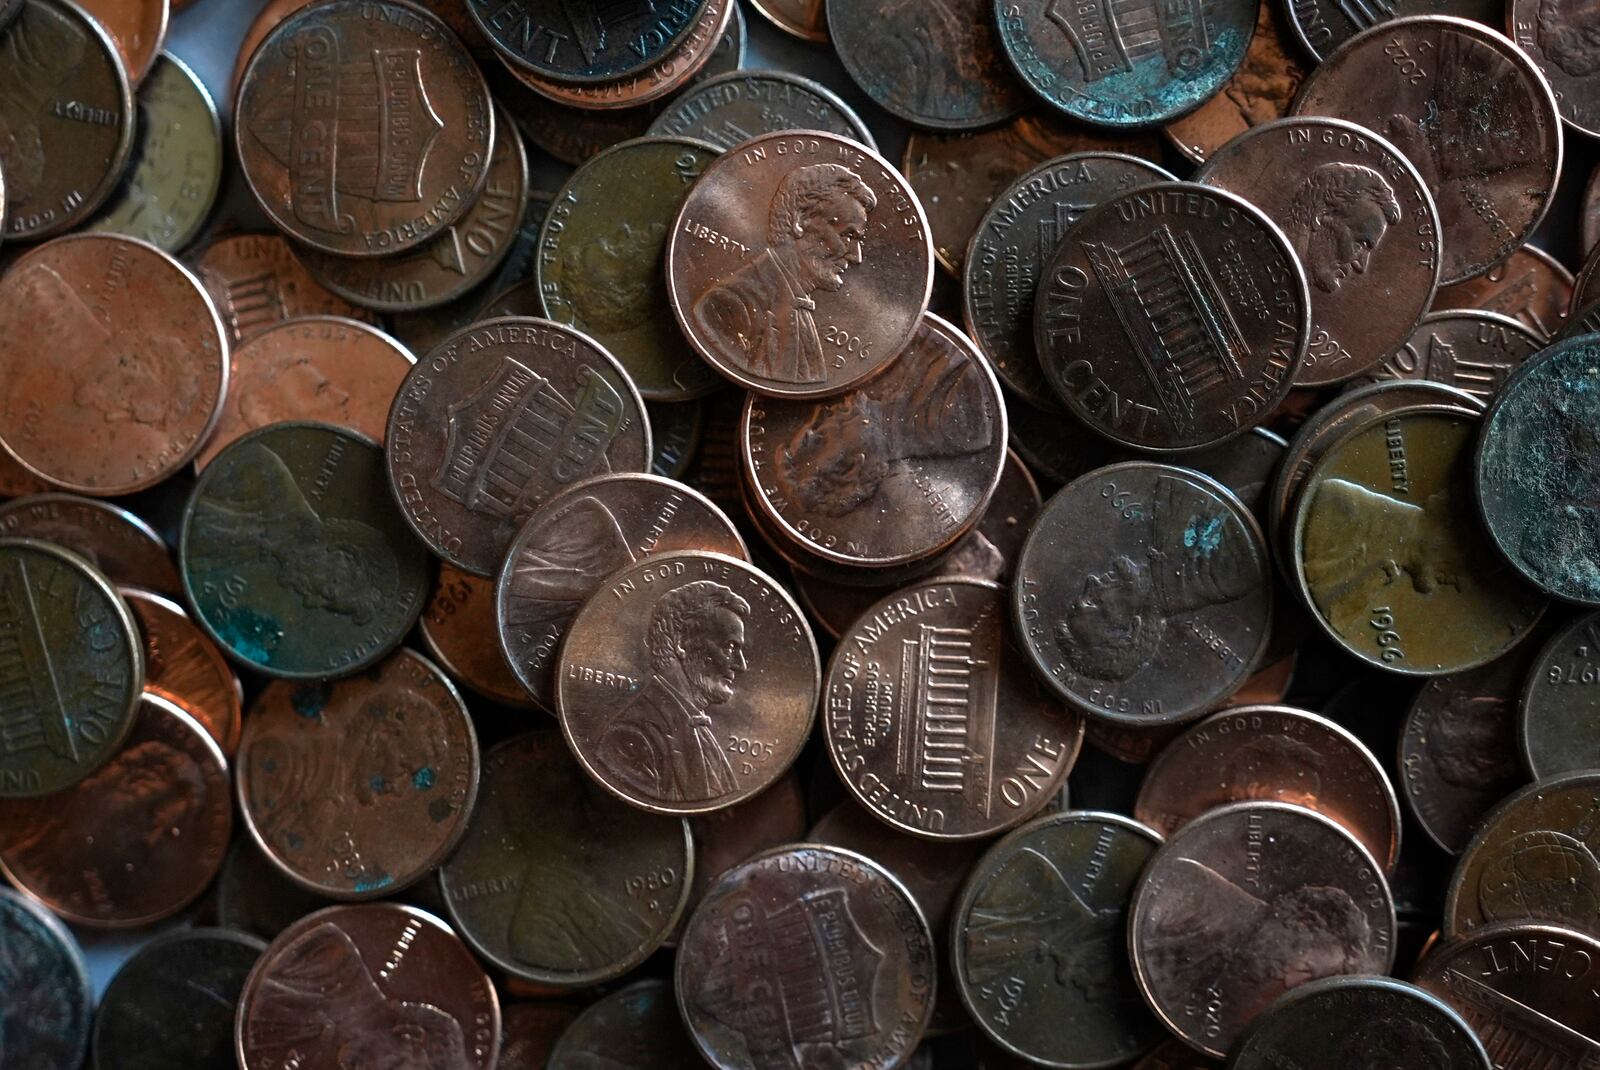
<point x="1560" y="718"/>
<point x="120" y="545"/>
<point x="1469" y="349"/>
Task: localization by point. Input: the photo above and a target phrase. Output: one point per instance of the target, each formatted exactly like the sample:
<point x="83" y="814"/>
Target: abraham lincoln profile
<point x="1338" y="218"/>
<point x="760" y="318"/>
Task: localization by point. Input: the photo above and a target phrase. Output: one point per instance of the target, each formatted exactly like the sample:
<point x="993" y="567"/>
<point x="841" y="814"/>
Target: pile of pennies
<point x="744" y="603"/>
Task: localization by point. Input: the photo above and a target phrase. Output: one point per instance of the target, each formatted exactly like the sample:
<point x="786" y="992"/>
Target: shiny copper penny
<point x="564" y="553"/>
<point x="115" y="364"/>
<point x="734" y="107"/>
<point x="124" y="548"/>
<point x="584" y="46"/>
<point x="637" y="1027"/>
<point x="799" y="265"/>
<point x="1530" y="286"/>
<point x="363" y="127"/>
<point x="1273" y="754"/>
<point x="1244" y="904"/>
<point x="137" y="840"/>
<point x="459" y="630"/>
<point x="256" y="281"/>
<point x="138" y="28"/>
<point x="498" y="419"/>
<point x="805" y="19"/>
<point x="557" y="882"/>
<point x="802" y="951"/>
<point x="45" y="974"/>
<point x="1468" y="349"/>
<point x="1175" y="315"/>
<point x="1470" y="110"/>
<point x="376" y="984"/>
<point x="687" y="682"/>
<point x="1261" y="90"/>
<point x="186" y="668"/>
<point x="1558" y="730"/>
<point x="1142" y="594"/>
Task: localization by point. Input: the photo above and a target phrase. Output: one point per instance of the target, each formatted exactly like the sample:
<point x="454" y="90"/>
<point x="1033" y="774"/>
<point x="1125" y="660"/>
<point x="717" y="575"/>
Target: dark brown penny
<point x="1142" y="594"/>
<point x="636" y="1027"/>
<point x="1530" y="286"/>
<point x="530" y="1033"/>
<point x="1261" y="90"/>
<point x="789" y="936"/>
<point x="557" y="882"/>
<point x="676" y="428"/>
<point x="1555" y="37"/>
<point x="805" y="19"/>
<point x="138" y="28"/>
<point x="564" y="553"/>
<point x="725" y="838"/>
<point x="123" y="547"/>
<point x="459" y="629"/>
<point x="256" y="281"/>
<point x="734" y="107"/>
<point x="1244" y="904"/>
<point x="1273" y="754"/>
<point x="582" y="45"/>
<point x="253" y="895"/>
<point x="115" y="364"/>
<point x="1470" y="110"/>
<point x="1245" y="465"/>
<point x="137" y="840"/>
<point x="800" y="265"/>
<point x="363" y="127"/>
<point x="499" y="418"/>
<point x="1559" y="730"/>
<point x="186" y="668"/>
<point x="1468" y="349"/>
<point x="1058" y="449"/>
<point x="1175" y="316"/>
<point x="45" y="974"/>
<point x="973" y="745"/>
<point x="374" y="984"/>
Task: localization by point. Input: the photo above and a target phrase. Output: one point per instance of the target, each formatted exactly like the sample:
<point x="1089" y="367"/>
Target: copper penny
<point x="1531" y="286"/>
<point x="46" y="975"/>
<point x="1059" y="450"/>
<point x="569" y="134"/>
<point x="1261" y="90"/>
<point x="557" y="882"/>
<point x="1559" y="731"/>
<point x="637" y="1027"/>
<point x="185" y="668"/>
<point x="530" y="1032"/>
<point x="1273" y="754"/>
<point x="1424" y="83"/>
<point x="137" y="27"/>
<point x="138" y="839"/>
<point x="800" y="265"/>
<point x="459" y="629"/>
<point x="115" y="364"/>
<point x="121" y="546"/>
<point x="266" y="20"/>
<point x="725" y="838"/>
<point x="805" y="19"/>
<point x="1554" y="35"/>
<point x="806" y="953"/>
<point x="256" y="281"/>
<point x="1175" y="316"/>
<point x="1142" y="594"/>
<point x="368" y="985"/>
<point x="363" y="127"/>
<point x="1131" y="744"/>
<point x="1468" y="349"/>
<point x="563" y="554"/>
<point x="1322" y="26"/>
<point x="733" y="108"/>
<point x="584" y="46"/>
<point x="16" y="481"/>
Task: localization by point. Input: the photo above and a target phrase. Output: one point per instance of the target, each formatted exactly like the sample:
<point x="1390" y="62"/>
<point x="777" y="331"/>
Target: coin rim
<point x="763" y="74"/>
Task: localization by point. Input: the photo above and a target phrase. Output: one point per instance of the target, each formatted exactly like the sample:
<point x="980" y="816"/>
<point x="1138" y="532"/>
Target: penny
<point x="569" y="134"/>
<point x="256" y="282"/>
<point x="138" y="29"/>
<point x="1273" y="754"/>
<point x="733" y="108"/>
<point x="531" y="1031"/>
<point x="762" y="264"/>
<point x="267" y="18"/>
<point x="499" y="418"/>
<point x="562" y="556"/>
<point x="808" y="927"/>
<point x="1424" y="84"/>
<point x="115" y="364"/>
<point x="121" y="546"/>
<point x="16" y="481"/>
<point x="1535" y="478"/>
<point x="1133" y="745"/>
<point x="185" y="668"/>
<point x="459" y="629"/>
<point x="1142" y="594"/>
<point x="582" y="894"/>
<point x="254" y="896"/>
<point x="1250" y="901"/>
<point x="1559" y="732"/>
<point x="1531" y="286"/>
<point x="1059" y="449"/>
<point x="600" y="256"/>
<point x="171" y="1006"/>
<point x="1142" y="341"/>
<point x="1245" y="465"/>
<point x="1468" y="349"/>
<point x="135" y="841"/>
<point x="1322" y="26"/>
<point x="1015" y="242"/>
<point x="44" y="974"/>
<point x="67" y="109"/>
<point x="1140" y="70"/>
<point x="175" y="171"/>
<point x="293" y="554"/>
<point x="363" y="127"/>
<point x="805" y="19"/>
<point x="374" y="984"/>
<point x="675" y="430"/>
<point x="725" y="838"/>
<point x="1261" y="90"/>
<point x="974" y="745"/>
<point x="1553" y="36"/>
<point x="9" y="10"/>
<point x="580" y="46"/>
<point x="637" y="1027"/>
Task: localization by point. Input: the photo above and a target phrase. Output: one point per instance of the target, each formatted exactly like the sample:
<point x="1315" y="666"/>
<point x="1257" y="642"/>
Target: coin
<point x="125" y="334"/>
<point x="582" y="894"/>
<point x="1435" y="87"/>
<point x="1142" y="594"/>
<point x="760" y="259"/>
<point x="121" y="546"/>
<point x="793" y="933"/>
<point x="1014" y="244"/>
<point x="138" y="29"/>
<point x="1530" y="286"/>
<point x="637" y="1027"/>
<point x="1059" y="449"/>
<point x="724" y="838"/>
<point x="1321" y="26"/>
<point x="256" y="281"/>
<point x="531" y="1031"/>
<point x="135" y="841"/>
<point x="675" y="429"/>
<point x="1137" y="352"/>
<point x="805" y="19"/>
<point x="171" y="1006"/>
<point x="1558" y="730"/>
<point x="185" y="668"/>
<point x="564" y="553"/>
<point x="1250" y="901"/>
<point x="1553" y="37"/>
<point x="271" y="13"/>
<point x="176" y="167"/>
<point x="459" y="630"/>
<point x="363" y="127"/>
<point x="1245" y="465"/>
<point x="733" y="108"/>
<point x="254" y="896"/>
<point x="581" y="46"/>
<point x="46" y="976"/>
<point x="374" y="984"/>
<point x="16" y="481"/>
<point x="569" y="134"/>
<point x="294" y="556"/>
<point x="1468" y="349"/>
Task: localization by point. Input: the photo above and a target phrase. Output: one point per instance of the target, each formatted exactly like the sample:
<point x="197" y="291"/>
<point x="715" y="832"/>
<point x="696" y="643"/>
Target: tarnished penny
<point x="374" y="984"/>
<point x="138" y="839"/>
<point x="1250" y="901"/>
<point x="1174" y="316"/>
<point x="186" y="668"/>
<point x="973" y="745"/>
<point x="256" y="281"/>
<point x="253" y="895"/>
<point x="675" y="431"/>
<point x="1559" y="723"/>
<point x="363" y="127"/>
<point x="735" y="107"/>
<point x="799" y="265"/>
<point x="585" y="44"/>
<point x="1261" y="90"/>
<point x="138" y="28"/>
<point x="16" y="481"/>
<point x="1273" y="754"/>
<point x="121" y="546"/>
<point x="45" y="974"/>
<point x="556" y="881"/>
<point x="1321" y="26"/>
<point x="636" y="1027"/>
<point x="115" y="363"/>
<point x="806" y="953"/>
<point x="1530" y="286"/>
<point x="459" y="630"/>
<point x="1468" y="349"/>
<point x="563" y="554"/>
<point x="294" y="556"/>
<point x="1143" y="593"/>
<point x="1556" y="37"/>
<point x="1470" y="110"/>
